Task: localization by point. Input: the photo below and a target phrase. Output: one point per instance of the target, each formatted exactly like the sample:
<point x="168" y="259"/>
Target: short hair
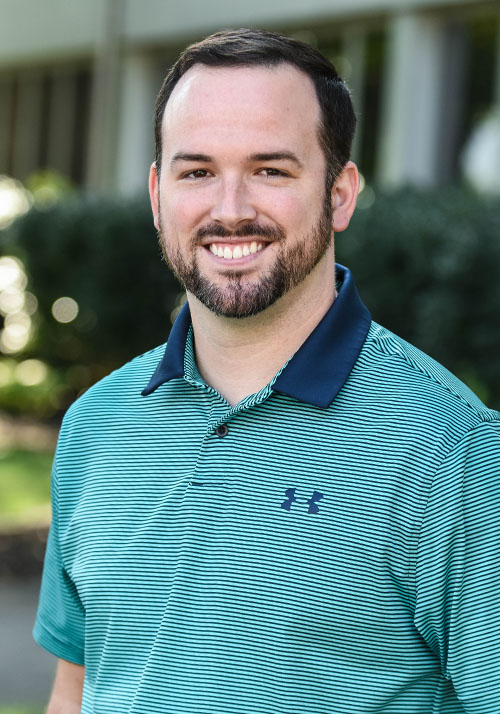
<point x="254" y="47"/>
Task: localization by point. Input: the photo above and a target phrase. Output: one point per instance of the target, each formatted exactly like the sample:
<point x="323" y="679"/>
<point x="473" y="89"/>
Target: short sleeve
<point x="60" y="621"/>
<point x="458" y="569"/>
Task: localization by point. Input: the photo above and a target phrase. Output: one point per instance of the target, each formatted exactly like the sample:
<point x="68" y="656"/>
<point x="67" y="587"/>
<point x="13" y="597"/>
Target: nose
<point x="232" y="205"/>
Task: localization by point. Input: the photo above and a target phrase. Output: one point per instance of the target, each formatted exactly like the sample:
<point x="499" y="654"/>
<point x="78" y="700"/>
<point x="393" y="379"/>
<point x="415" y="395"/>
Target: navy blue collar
<point x="317" y="371"/>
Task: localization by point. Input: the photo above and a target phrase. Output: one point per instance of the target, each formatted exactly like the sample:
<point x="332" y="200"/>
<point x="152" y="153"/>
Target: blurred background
<point x="82" y="285"/>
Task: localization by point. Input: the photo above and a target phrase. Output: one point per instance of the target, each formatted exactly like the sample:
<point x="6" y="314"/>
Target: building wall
<point x="59" y="28"/>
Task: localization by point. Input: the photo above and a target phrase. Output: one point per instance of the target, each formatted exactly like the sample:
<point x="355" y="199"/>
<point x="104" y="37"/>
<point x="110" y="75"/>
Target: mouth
<point x="235" y="251"/>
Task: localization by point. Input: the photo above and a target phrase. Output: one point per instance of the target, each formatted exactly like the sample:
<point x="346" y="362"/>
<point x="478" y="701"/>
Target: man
<point x="288" y="509"/>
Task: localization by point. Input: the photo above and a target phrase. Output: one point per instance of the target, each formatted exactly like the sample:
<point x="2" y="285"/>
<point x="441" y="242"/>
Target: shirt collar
<point x="317" y="371"/>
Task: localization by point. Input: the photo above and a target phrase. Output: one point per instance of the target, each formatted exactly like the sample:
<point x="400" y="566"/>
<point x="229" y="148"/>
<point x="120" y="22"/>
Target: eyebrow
<point x="263" y="156"/>
<point x="182" y="156"/>
<point x="276" y="156"/>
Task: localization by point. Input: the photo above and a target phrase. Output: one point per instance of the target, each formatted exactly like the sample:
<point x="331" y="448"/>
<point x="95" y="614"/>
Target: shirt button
<point x="222" y="430"/>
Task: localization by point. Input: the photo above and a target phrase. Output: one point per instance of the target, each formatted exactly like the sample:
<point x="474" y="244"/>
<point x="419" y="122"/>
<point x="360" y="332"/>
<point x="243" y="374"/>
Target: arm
<point x="458" y="585"/>
<point x="66" y="695"/>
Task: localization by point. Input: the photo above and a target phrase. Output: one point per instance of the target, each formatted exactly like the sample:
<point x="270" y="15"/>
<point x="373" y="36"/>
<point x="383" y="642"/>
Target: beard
<point x="239" y="297"/>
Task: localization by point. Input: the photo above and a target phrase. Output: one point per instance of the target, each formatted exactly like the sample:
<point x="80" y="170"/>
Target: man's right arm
<point x="66" y="695"/>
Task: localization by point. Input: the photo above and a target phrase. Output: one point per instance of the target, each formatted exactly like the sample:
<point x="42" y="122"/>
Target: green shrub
<point x="104" y="254"/>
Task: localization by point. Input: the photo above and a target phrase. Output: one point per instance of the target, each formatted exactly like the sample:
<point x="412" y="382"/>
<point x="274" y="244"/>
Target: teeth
<point x="239" y="251"/>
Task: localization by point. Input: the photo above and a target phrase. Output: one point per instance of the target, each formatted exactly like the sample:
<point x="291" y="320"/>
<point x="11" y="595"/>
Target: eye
<point x="271" y="173"/>
<point x="195" y="174"/>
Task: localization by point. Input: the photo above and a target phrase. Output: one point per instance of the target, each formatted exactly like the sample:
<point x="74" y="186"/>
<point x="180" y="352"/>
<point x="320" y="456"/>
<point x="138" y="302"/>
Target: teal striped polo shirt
<point x="329" y="545"/>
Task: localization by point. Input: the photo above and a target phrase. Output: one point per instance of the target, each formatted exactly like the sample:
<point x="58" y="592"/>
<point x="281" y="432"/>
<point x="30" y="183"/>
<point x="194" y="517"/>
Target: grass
<point x="24" y="493"/>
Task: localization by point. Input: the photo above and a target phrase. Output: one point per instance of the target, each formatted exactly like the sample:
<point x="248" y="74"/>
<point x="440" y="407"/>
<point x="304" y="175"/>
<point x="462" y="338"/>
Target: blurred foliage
<point x="24" y="487"/>
<point x="427" y="264"/>
<point x="42" y="399"/>
<point x="48" y="186"/>
<point x="104" y="254"/>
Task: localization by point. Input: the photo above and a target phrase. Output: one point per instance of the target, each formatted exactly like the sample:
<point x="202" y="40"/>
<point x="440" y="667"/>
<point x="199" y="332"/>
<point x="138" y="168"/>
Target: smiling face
<point x="240" y="202"/>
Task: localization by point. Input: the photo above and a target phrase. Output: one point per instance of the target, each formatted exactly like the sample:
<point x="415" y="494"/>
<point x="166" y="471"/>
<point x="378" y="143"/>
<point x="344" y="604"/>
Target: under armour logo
<point x="313" y="501"/>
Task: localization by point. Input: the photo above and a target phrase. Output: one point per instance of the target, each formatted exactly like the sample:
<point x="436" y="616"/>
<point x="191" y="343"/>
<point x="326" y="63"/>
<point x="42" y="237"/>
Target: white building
<point x="78" y="78"/>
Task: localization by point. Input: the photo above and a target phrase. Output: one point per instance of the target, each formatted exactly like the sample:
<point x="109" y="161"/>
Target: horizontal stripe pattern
<point x="176" y="574"/>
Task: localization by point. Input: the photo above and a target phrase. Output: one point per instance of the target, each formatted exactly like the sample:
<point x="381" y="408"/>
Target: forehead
<point x="256" y="102"/>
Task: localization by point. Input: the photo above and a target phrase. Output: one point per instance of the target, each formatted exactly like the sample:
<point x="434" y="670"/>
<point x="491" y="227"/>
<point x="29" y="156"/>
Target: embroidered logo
<point x="312" y="502"/>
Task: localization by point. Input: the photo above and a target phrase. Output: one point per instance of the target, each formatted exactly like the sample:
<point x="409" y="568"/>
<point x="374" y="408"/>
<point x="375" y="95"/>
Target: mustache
<point x="215" y="230"/>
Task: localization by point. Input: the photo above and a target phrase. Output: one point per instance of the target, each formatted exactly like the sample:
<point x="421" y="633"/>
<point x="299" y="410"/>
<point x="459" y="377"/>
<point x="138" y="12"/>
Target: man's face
<point x="240" y="205"/>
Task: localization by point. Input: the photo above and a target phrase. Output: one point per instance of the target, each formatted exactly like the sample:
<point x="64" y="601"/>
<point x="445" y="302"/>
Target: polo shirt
<point x="329" y="545"/>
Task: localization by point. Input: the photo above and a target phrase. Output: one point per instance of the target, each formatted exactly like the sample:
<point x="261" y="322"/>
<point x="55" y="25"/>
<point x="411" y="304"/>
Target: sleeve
<point x="60" y="621"/>
<point x="458" y="569"/>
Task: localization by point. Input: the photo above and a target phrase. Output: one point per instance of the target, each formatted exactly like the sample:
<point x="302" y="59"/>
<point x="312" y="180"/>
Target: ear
<point x="344" y="196"/>
<point x="154" y="194"/>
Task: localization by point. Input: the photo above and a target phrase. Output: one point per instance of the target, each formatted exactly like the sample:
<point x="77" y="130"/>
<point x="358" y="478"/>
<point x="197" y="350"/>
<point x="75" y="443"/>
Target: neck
<point x="237" y="357"/>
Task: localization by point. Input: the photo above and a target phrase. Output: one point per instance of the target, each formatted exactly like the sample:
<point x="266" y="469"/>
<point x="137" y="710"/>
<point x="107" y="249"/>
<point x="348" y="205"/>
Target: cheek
<point x="182" y="210"/>
<point x="292" y="210"/>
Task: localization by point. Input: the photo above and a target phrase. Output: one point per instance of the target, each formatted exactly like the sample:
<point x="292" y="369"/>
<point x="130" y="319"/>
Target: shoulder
<point x="423" y="378"/>
<point x="413" y="396"/>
